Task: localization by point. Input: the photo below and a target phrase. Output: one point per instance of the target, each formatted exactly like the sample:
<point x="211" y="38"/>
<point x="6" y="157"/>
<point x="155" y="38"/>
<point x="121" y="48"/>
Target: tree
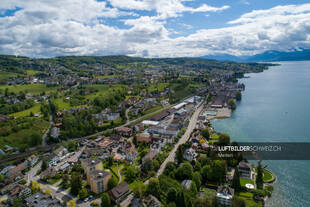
<point x="180" y="153"/>
<point x="171" y="204"/>
<point x="259" y="177"/>
<point x="83" y="194"/>
<point x="205" y="133"/>
<point x="112" y="183"/>
<point x="105" y="200"/>
<point x="238" y="96"/>
<point x="2" y="177"/>
<point x="134" y="140"/>
<point x="48" y="191"/>
<point x="94" y="204"/>
<point x="17" y="202"/>
<point x="193" y="189"/>
<point x="35" y="139"/>
<point x="147" y="166"/>
<point x="170" y="167"/>
<point x="153" y="187"/>
<point x="197" y="179"/>
<point x="71" y="203"/>
<point x="34" y="186"/>
<point x="139" y="190"/>
<point x="215" y="202"/>
<point x="131" y="173"/>
<point x="206" y="172"/>
<point x="236" y="180"/>
<point x="238" y="202"/>
<point x="232" y="104"/>
<point x="218" y="171"/>
<point x="224" y="139"/>
<point x="31" y="114"/>
<point x="171" y="195"/>
<point x="44" y="165"/>
<point x="185" y="171"/>
<point x="197" y="166"/>
<point x="76" y="183"/>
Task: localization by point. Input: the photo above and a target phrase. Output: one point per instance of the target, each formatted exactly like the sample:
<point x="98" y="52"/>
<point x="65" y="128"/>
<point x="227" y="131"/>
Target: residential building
<point x="99" y="181"/>
<point x="42" y="200"/>
<point x="55" y="132"/>
<point x="152" y="201"/>
<point x="187" y="183"/>
<point x="60" y="151"/>
<point x="31" y="161"/>
<point x="245" y="170"/>
<point x="124" y="131"/>
<point x="190" y="154"/>
<point x="119" y="192"/>
<point x="90" y="165"/>
<point x="150" y="155"/>
<point x="225" y="194"/>
<point x="144" y="137"/>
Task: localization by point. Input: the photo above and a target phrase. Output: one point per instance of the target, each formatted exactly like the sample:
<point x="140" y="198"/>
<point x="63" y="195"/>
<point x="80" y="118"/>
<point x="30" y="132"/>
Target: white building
<point x="225" y="194"/>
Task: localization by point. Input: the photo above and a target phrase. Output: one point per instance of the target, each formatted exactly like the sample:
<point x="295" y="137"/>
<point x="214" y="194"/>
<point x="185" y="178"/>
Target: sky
<point x="152" y="28"/>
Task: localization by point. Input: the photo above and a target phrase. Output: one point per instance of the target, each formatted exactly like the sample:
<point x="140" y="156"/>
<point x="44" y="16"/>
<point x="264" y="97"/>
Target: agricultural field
<point x="29" y="88"/>
<point x="34" y="109"/>
<point x="4" y="75"/>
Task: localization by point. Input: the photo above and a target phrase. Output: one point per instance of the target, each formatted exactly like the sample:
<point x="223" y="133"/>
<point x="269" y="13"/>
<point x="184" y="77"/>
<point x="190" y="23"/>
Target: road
<point x="126" y="114"/>
<point x="171" y="157"/>
<point x="31" y="175"/>
<point x="182" y="140"/>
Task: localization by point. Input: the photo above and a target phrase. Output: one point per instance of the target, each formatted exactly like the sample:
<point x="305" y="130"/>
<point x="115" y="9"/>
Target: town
<point x="121" y="131"/>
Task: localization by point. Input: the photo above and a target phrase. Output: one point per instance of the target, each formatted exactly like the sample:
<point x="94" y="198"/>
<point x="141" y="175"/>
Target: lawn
<point x="268" y="177"/>
<point x="61" y="104"/>
<point x="102" y="90"/>
<point x="34" y="109"/>
<point x="32" y="72"/>
<point x="107" y="76"/>
<point x="153" y="109"/>
<point x="115" y="169"/>
<point x="29" y="88"/>
<point x="245" y="181"/>
<point x="160" y="87"/>
<point x="214" y="136"/>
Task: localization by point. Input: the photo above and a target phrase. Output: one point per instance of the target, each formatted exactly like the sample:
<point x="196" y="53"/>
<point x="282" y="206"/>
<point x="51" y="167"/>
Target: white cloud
<point x="164" y="8"/>
<point x="44" y="28"/>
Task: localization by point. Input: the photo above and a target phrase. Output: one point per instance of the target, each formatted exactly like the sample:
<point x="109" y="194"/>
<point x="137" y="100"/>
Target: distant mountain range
<point x="268" y="56"/>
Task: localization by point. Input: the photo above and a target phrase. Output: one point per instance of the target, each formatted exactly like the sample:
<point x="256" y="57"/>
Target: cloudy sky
<point x="152" y="28"/>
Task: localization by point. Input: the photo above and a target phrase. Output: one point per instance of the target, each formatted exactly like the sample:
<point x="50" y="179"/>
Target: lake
<point x="275" y="107"/>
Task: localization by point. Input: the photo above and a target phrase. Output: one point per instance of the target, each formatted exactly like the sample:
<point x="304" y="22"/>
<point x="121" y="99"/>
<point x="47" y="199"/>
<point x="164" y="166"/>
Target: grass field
<point x="268" y="177"/>
<point x="160" y="86"/>
<point x="34" y="109"/>
<point x="102" y="90"/>
<point x="61" y="104"/>
<point x="214" y="136"/>
<point x="5" y="75"/>
<point x="32" y="72"/>
<point x="20" y="137"/>
<point x="245" y="181"/>
<point x="107" y="76"/>
<point x="29" y="88"/>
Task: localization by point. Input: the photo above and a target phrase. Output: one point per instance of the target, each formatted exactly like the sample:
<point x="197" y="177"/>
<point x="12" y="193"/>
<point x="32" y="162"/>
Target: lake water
<point x="275" y="107"/>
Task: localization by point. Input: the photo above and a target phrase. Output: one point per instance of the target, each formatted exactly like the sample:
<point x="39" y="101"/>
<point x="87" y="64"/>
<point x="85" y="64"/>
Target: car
<point x="86" y="199"/>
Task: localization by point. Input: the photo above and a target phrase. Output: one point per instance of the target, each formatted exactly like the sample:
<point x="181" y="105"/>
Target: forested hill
<point x="18" y="63"/>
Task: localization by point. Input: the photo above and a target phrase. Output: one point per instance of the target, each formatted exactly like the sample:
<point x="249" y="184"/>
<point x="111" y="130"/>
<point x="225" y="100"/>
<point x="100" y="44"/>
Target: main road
<point x="191" y="126"/>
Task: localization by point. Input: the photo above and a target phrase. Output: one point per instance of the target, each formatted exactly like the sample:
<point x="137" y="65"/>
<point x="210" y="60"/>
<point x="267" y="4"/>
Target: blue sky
<point x="152" y="28"/>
